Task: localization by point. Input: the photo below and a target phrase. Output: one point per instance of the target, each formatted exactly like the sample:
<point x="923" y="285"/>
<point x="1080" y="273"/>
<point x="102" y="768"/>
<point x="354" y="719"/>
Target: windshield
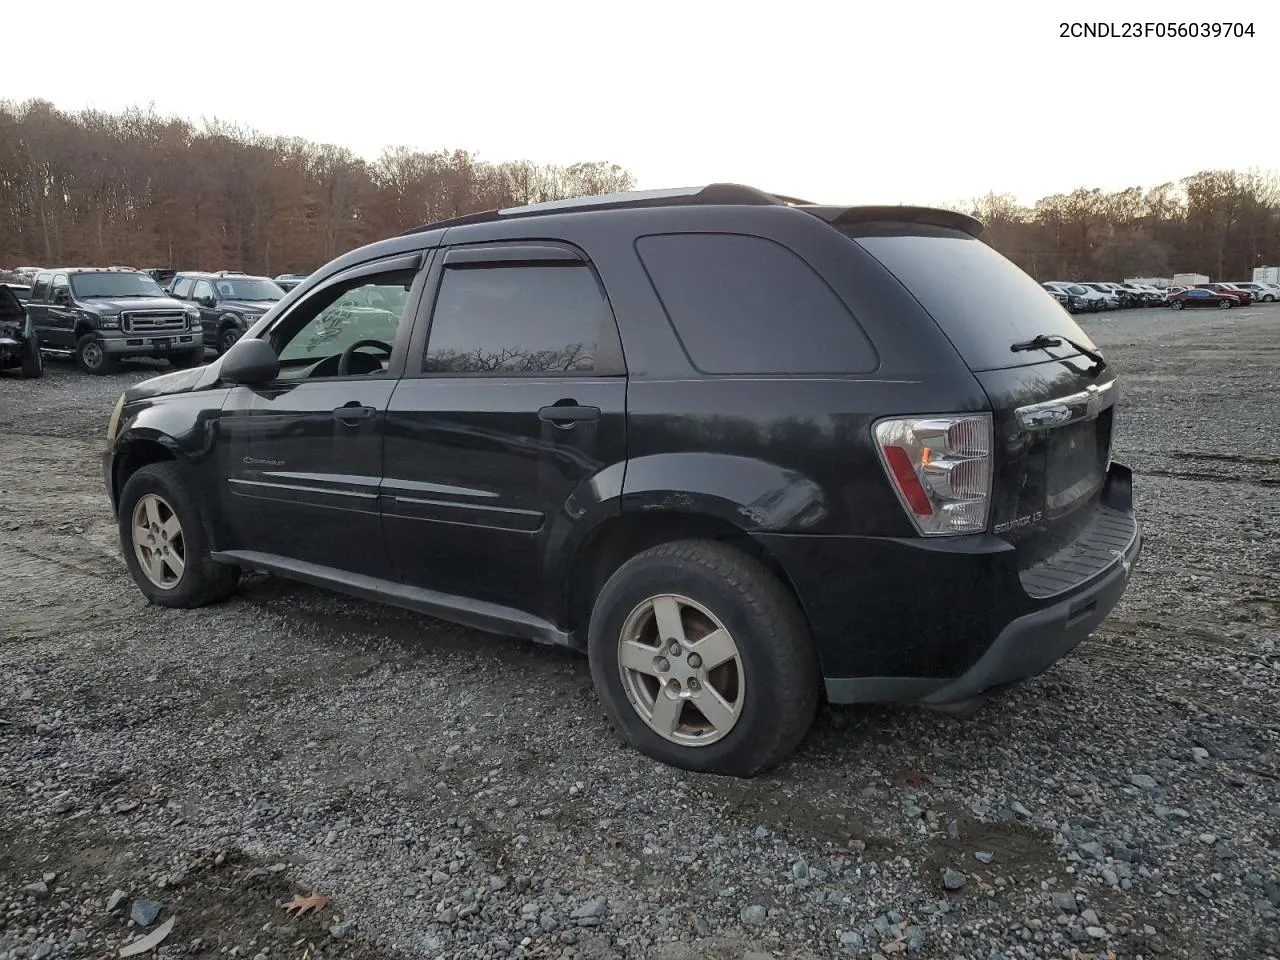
<point x="983" y="302"/>
<point x="89" y="285"/>
<point x="252" y="289"/>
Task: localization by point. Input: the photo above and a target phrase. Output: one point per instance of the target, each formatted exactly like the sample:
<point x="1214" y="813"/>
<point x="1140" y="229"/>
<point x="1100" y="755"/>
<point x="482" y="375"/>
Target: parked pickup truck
<point x="99" y="315"/>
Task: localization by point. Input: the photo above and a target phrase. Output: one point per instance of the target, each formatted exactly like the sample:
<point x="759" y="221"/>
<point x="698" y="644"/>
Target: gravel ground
<point x="455" y="794"/>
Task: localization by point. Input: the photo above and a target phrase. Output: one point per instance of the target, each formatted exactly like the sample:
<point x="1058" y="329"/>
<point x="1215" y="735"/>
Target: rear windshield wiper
<point x="1041" y="342"/>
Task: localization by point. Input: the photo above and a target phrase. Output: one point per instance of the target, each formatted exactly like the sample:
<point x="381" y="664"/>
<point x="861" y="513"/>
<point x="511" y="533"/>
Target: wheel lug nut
<point x="694" y="685"/>
<point x="673" y="685"/>
<point x="695" y="661"/>
<point x="674" y="648"/>
<point x="663" y="664"/>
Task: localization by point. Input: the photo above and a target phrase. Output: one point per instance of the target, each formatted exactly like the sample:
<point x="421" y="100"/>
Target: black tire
<point x="1224" y="304"/>
<point x="227" y="338"/>
<point x="187" y="359"/>
<point x="202" y="581"/>
<point x="92" y="356"/>
<point x="780" y="675"/>
<point x="1176" y="305"/>
<point x="32" y="360"/>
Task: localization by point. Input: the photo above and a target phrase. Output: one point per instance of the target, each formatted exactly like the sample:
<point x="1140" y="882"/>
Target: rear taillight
<point x="941" y="469"/>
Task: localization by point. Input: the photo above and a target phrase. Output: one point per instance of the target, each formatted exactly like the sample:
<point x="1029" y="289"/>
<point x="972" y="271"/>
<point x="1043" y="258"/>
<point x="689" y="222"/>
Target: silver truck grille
<point x="146" y="321"/>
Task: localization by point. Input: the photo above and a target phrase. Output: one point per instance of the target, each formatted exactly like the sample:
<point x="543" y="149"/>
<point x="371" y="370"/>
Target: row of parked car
<point x="100" y="315"/>
<point x="1090" y="296"/>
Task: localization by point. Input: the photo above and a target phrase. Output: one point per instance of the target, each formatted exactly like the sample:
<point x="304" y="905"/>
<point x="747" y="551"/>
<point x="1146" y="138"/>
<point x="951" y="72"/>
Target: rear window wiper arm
<point x="1043" y="341"/>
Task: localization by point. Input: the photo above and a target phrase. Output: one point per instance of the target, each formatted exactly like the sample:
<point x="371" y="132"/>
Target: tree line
<point x="138" y="189"/>
<point x="1222" y="223"/>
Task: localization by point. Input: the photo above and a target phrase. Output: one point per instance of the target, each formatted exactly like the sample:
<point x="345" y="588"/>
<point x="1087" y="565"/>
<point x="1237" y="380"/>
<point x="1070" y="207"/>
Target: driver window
<point x="358" y="319"/>
<point x="202" y="291"/>
<point x="61" y="290"/>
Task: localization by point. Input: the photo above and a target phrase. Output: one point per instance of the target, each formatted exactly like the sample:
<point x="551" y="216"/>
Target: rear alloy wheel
<point x="1224" y="304"/>
<point x="1176" y="305"/>
<point x="702" y="659"/>
<point x="689" y="688"/>
<point x="92" y="356"/>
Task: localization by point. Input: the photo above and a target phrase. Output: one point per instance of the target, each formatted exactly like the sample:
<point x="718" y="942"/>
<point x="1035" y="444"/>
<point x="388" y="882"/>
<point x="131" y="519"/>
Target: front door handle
<point x="568" y="413"/>
<point x="354" y="411"/>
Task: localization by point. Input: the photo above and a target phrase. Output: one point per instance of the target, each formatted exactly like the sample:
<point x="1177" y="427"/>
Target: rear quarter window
<point x="746" y="305"/>
<point x="983" y="302"/>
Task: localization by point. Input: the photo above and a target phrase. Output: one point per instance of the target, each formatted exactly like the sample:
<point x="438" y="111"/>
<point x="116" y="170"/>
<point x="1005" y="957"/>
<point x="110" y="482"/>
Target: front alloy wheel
<point x="158" y="543"/>
<point x="681" y="670"/>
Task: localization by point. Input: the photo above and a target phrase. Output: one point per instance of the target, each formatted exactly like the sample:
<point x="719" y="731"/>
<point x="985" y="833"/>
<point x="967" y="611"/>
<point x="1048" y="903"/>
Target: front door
<point x="509" y="413"/>
<point x="304" y="453"/>
<point x="60" y="316"/>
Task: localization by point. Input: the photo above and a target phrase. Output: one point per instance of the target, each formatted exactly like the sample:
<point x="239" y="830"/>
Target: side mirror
<point x="62" y="297"/>
<point x="249" y="361"/>
<point x="205" y="301"/>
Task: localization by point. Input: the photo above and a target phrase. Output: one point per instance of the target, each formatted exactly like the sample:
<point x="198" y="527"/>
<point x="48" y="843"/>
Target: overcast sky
<point x="882" y="102"/>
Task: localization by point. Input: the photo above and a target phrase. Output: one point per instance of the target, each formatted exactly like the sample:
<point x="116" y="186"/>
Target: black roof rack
<point x="714" y="193"/>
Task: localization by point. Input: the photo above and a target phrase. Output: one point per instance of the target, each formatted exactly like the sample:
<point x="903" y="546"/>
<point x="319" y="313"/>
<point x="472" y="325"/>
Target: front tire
<point x="227" y="338"/>
<point x="702" y="659"/>
<point x="163" y="538"/>
<point x="92" y="356"/>
<point x="32" y="360"/>
<point x="1224" y="304"/>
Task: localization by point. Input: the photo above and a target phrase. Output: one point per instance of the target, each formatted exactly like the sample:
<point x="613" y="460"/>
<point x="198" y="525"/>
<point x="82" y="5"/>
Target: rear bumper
<point x="931" y="621"/>
<point x="149" y="344"/>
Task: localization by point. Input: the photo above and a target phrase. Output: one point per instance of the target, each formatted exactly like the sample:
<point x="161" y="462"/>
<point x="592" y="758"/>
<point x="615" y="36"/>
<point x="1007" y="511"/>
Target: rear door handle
<point x="568" y="413"/>
<point x="354" y="411"/>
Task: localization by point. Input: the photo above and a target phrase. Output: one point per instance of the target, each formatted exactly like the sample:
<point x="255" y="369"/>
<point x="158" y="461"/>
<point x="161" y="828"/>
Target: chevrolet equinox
<point x="744" y="451"/>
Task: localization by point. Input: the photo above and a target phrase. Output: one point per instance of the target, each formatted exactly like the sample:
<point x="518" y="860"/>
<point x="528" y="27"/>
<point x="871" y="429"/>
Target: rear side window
<point x="982" y="302"/>
<point x="746" y="305"/>
<point x="534" y="319"/>
<point x="40" y="289"/>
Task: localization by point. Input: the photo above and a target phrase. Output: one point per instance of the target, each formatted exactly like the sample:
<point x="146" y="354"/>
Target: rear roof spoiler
<point x="880" y="217"/>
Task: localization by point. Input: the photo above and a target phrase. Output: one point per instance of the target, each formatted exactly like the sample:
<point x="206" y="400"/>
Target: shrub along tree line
<point x="138" y="189"/>
<point x="1218" y="222"/>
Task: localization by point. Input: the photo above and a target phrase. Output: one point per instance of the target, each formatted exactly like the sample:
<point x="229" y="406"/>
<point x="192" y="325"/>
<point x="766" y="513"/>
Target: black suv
<point x="229" y="303"/>
<point x="18" y="344"/>
<point x="101" y="315"/>
<point x="741" y="450"/>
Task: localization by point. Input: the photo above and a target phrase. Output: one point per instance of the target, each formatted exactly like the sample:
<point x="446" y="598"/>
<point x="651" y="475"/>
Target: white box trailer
<point x="1266" y="274"/>
<point x="1161" y="282"/>
<point x="1189" y="279"/>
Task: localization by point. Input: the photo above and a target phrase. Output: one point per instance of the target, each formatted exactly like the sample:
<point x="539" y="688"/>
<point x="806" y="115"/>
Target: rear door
<point x="1052" y="406"/>
<point x="513" y="405"/>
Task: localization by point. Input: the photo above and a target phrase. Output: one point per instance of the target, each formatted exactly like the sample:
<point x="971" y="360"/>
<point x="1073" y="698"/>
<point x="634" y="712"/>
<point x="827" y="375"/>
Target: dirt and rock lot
<point x="459" y="795"/>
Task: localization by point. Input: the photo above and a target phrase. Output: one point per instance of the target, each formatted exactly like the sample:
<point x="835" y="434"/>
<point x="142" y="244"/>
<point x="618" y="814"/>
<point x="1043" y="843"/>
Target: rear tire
<point x="92" y="356"/>
<point x="161" y="527"/>
<point x="1224" y="304"/>
<point x="32" y="360"/>
<point x="1176" y="305"/>
<point x="759" y="701"/>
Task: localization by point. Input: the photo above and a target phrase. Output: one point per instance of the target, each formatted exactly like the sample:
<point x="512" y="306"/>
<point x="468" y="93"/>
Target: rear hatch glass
<point x="983" y="302"/>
